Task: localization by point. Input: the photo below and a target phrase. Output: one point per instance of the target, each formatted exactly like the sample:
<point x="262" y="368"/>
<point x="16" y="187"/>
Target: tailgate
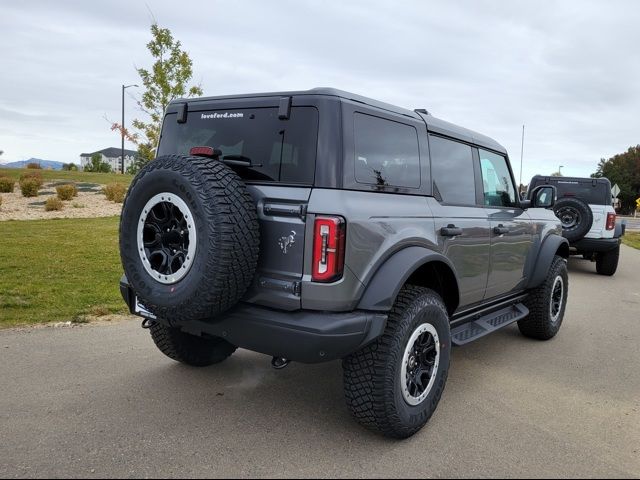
<point x="282" y="213"/>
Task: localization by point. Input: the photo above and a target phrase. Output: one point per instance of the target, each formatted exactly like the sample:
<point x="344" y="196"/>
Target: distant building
<point x="112" y="157"/>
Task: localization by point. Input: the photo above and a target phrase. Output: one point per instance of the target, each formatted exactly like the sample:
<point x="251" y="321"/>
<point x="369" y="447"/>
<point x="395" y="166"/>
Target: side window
<point x="452" y="171"/>
<point x="386" y="152"/>
<point x="499" y="190"/>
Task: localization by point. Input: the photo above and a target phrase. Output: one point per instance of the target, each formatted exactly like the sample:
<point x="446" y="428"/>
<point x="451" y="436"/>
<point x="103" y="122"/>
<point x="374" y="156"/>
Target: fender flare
<point x="385" y="284"/>
<point x="548" y="250"/>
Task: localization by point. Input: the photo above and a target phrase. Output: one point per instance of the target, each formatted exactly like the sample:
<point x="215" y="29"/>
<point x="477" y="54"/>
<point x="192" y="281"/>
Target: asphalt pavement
<point x="101" y="401"/>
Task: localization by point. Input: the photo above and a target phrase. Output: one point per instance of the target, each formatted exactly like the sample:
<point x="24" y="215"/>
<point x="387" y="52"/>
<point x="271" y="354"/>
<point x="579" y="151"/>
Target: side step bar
<point x="488" y="323"/>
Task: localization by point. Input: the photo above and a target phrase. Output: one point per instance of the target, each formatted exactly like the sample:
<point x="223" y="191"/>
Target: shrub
<point x="29" y="187"/>
<point x="35" y="175"/>
<point x="53" y="203"/>
<point x="7" y="184"/>
<point x="115" y="192"/>
<point x="35" y="166"/>
<point x="97" y="164"/>
<point x="67" y="192"/>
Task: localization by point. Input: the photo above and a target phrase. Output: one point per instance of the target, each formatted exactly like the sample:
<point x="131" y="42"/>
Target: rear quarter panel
<point x="378" y="225"/>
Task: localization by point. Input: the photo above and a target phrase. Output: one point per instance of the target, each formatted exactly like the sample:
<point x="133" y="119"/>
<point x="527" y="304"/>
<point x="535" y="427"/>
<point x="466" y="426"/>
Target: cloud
<point x="568" y="70"/>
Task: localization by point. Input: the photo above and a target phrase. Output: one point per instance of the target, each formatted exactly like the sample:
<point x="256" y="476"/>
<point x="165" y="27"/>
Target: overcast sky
<point x="569" y="70"/>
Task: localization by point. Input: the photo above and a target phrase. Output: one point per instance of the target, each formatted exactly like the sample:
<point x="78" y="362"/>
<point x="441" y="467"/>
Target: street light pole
<point x="122" y="127"/>
<point x="560" y="170"/>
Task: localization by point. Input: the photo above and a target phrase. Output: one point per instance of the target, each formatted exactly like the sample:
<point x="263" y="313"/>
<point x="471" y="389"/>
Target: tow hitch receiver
<point x="279" y="362"/>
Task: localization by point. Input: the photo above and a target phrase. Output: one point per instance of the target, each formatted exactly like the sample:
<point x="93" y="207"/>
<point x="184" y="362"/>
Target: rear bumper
<point x="304" y="336"/>
<point x="587" y="245"/>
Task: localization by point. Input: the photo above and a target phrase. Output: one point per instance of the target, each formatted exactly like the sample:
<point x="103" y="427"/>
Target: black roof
<point x="434" y="124"/>
<point x="557" y="179"/>
<point x="112" y="152"/>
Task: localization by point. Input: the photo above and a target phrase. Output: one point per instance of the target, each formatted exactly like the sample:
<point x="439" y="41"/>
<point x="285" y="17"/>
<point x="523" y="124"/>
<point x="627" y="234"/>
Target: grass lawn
<point x="632" y="239"/>
<point x="88" y="177"/>
<point x="59" y="270"/>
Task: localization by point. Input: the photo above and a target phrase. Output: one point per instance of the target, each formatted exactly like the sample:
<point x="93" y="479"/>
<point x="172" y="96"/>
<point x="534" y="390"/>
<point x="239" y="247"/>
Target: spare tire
<point x="189" y="238"/>
<point x="576" y="217"/>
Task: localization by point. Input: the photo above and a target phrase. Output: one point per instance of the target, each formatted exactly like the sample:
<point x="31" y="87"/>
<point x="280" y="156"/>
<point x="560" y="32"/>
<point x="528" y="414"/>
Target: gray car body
<point x="393" y="237"/>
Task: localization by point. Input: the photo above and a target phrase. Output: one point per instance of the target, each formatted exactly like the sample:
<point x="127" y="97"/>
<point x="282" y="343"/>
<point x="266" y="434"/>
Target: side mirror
<point x="543" y="196"/>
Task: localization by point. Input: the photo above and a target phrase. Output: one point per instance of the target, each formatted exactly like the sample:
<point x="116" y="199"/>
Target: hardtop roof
<point x="434" y="124"/>
<point x="550" y="178"/>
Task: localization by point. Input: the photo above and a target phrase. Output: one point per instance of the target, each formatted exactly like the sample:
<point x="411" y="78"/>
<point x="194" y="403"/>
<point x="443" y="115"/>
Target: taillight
<point x="611" y="221"/>
<point x="328" y="249"/>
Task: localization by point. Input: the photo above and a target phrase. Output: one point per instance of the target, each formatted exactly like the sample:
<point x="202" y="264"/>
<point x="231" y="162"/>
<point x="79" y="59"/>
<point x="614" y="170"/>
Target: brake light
<point x="328" y="249"/>
<point x="611" y="221"/>
<point x="209" y="152"/>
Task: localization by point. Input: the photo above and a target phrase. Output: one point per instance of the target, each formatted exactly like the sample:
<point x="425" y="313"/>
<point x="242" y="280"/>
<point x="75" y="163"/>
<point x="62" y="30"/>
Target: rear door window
<point x="274" y="150"/>
<point x="386" y="152"/>
<point x="452" y="171"/>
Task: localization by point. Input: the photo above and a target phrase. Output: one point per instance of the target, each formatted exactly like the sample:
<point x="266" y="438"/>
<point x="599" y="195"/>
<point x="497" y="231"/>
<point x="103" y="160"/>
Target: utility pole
<point x="521" y="157"/>
<point x="122" y="127"/>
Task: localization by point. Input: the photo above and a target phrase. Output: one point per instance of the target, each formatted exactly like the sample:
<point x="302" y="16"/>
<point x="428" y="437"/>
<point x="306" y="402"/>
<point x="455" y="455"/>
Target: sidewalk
<point x="632" y="223"/>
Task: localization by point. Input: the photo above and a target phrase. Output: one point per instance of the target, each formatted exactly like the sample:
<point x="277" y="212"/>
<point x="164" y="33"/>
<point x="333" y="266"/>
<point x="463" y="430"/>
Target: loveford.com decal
<point x="207" y="116"/>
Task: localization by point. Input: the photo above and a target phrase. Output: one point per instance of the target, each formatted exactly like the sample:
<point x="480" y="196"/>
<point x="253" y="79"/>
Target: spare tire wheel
<point x="576" y="217"/>
<point x="189" y="238"/>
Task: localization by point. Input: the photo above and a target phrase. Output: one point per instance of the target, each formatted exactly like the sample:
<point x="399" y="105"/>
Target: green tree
<point x="70" y="167"/>
<point x="166" y="80"/>
<point x="623" y="169"/>
<point x="97" y="165"/>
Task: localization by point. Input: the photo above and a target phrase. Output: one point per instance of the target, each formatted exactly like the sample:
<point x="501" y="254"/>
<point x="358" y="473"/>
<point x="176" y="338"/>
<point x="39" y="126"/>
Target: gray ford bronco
<point x="320" y="225"/>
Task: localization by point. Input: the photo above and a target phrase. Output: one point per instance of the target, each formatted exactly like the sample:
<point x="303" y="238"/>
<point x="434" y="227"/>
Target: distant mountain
<point x="46" y="164"/>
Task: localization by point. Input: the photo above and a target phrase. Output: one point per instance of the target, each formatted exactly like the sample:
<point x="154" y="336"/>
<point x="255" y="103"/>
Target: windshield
<point x="257" y="144"/>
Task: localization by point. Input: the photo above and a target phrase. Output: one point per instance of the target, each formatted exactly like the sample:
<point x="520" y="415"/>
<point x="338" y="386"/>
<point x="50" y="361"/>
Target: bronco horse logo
<point x="287" y="242"/>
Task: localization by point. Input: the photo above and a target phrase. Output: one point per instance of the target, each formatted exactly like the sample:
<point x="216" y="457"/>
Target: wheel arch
<point x="412" y="265"/>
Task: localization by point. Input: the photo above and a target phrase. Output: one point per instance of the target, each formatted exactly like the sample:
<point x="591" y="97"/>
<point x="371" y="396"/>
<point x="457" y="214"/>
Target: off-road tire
<point x="539" y="324"/>
<point x="583" y="213"/>
<point x="372" y="382"/>
<point x="607" y="262"/>
<point x="189" y="349"/>
<point x="226" y="223"/>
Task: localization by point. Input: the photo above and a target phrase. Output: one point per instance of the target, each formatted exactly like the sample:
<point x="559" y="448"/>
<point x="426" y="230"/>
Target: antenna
<point x="521" y="156"/>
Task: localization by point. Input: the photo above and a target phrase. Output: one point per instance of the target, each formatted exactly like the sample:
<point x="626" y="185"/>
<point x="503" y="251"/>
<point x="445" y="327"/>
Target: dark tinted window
<point x="598" y="194"/>
<point x="387" y="152"/>
<point x="279" y="150"/>
<point x="593" y="194"/>
<point x="499" y="190"/>
<point x="452" y="171"/>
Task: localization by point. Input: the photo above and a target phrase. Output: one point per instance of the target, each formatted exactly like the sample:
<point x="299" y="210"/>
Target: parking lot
<point x="100" y="400"/>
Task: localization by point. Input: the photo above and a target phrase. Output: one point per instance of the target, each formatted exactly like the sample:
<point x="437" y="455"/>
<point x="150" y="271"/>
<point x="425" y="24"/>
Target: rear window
<point x="597" y="194"/>
<point x="281" y="151"/>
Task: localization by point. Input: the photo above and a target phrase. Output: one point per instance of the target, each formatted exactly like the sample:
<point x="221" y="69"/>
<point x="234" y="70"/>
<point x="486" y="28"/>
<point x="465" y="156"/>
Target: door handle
<point x="500" y="230"/>
<point x="450" y="231"/>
